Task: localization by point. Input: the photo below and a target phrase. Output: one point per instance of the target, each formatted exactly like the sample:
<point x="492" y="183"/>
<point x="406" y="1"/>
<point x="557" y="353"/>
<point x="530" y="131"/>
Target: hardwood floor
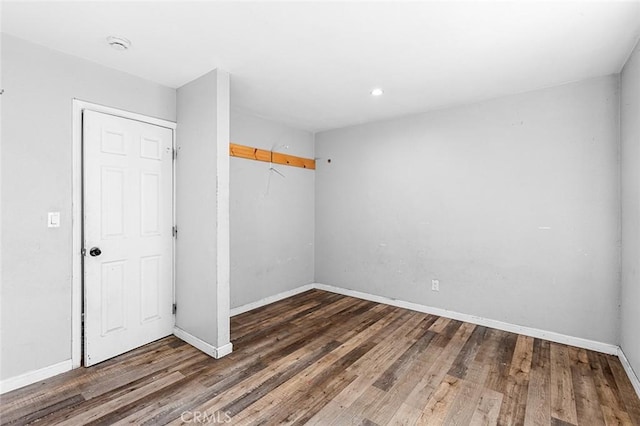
<point x="320" y="358"/>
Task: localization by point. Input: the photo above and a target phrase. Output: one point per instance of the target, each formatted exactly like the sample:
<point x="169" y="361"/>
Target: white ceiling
<point x="312" y="64"/>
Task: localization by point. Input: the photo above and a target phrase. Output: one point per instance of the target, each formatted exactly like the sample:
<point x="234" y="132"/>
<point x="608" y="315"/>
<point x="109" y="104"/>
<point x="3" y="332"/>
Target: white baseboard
<point x="32" y="377"/>
<point x="527" y="331"/>
<point x="633" y="377"/>
<point x="47" y="372"/>
<point x="268" y="300"/>
<point x="224" y="350"/>
<point x="202" y="345"/>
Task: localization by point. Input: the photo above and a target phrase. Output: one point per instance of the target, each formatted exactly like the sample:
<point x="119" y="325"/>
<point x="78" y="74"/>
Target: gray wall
<point x="203" y="128"/>
<point x="466" y="195"/>
<point x="272" y="217"/>
<point x="35" y="292"/>
<point x="630" y="136"/>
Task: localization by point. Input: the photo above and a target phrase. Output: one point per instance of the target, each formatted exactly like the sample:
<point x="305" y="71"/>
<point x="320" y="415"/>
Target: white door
<point x="128" y="219"/>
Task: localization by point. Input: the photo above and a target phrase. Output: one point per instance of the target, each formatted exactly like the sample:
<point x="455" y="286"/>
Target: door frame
<point x="77" y="219"/>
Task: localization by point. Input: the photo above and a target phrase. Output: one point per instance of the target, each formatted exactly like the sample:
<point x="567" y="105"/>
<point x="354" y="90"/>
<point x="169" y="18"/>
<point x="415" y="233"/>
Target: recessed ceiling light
<point x="376" y="92"/>
<point x="118" y="43"/>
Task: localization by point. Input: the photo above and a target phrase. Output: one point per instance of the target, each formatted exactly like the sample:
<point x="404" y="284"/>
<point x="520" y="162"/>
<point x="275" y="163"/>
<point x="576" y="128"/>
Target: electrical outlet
<point x="435" y="285"/>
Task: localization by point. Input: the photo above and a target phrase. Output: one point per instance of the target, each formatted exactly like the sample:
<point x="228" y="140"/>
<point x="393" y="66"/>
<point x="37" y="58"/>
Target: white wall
<point x="458" y="194"/>
<point x="202" y="209"/>
<point x="272" y="217"/>
<point x="35" y="292"/>
<point x="630" y="136"/>
<point x="513" y="204"/>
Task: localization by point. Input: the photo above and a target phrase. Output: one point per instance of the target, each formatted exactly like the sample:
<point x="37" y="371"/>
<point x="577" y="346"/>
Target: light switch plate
<point x="53" y="220"/>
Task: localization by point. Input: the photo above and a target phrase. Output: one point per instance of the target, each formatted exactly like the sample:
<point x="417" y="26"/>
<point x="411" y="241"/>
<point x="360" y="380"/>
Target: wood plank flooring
<point x="320" y="358"/>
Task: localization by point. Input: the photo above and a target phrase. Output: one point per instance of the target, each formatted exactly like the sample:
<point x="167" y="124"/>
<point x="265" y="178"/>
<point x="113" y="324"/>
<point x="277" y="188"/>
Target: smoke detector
<point x="118" y="43"/>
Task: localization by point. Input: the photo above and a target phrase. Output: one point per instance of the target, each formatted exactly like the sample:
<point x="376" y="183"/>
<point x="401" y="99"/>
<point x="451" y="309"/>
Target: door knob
<point x="95" y="251"/>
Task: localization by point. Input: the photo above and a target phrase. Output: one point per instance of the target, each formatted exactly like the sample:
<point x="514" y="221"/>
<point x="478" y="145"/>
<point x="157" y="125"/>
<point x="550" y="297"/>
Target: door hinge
<point x="174" y="308"/>
<point x="175" y="153"/>
<point x="174" y="230"/>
